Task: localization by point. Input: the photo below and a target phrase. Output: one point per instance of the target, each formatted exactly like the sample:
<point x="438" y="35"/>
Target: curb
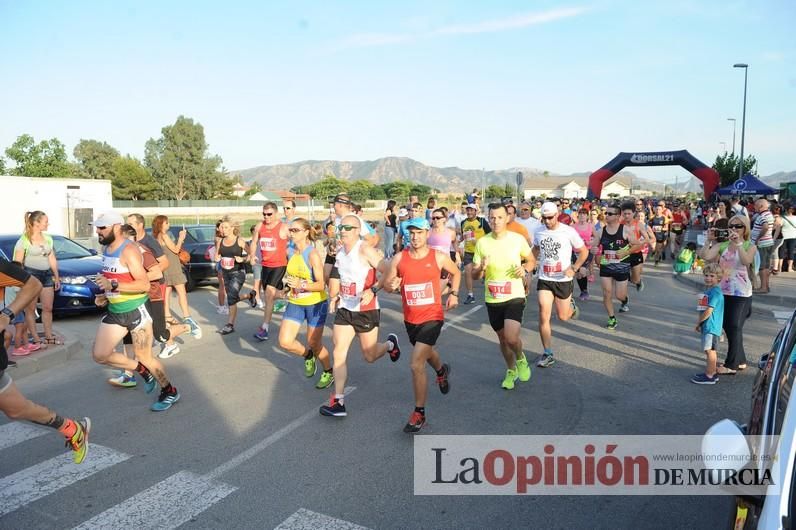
<point x="787" y="301"/>
<point x="49" y="358"/>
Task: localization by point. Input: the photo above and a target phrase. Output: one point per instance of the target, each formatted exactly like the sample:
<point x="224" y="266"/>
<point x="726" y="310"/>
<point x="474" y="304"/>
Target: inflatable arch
<point x="708" y="175"/>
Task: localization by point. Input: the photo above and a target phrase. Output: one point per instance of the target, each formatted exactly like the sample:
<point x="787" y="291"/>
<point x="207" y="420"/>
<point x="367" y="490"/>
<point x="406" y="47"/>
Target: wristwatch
<point x="7" y="312"/>
<point x="114" y="285"/>
<point x="374" y="289"/>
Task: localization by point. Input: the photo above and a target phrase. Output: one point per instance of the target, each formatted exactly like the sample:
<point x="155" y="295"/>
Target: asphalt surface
<point x="246" y="448"/>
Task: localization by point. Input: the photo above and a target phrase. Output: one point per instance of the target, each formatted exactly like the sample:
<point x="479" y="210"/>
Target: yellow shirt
<point x="505" y="254"/>
<point x="472" y="232"/>
<point x="298" y="267"/>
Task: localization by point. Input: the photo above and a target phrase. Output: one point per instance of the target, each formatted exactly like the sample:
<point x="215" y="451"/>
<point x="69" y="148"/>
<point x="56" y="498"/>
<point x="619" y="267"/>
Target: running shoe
<point x="575" y="310"/>
<point x="149" y="382"/>
<point x="261" y="335"/>
<point x="583" y="296"/>
<point x="442" y="380"/>
<point x="252" y="298"/>
<point x="123" y="380"/>
<point x="222" y="310"/>
<point x="703" y="379"/>
<point x="325" y="381"/>
<point x="78" y="443"/>
<point x="334" y="408"/>
<point x="611" y="323"/>
<point x="546" y="360"/>
<point x="310" y="367"/>
<point x="469" y="300"/>
<point x="20" y="351"/>
<point x="523" y="369"/>
<point x="260" y="304"/>
<point x="34" y="346"/>
<point x="416" y="422"/>
<point x="169" y="350"/>
<point x="12" y="364"/>
<point x="226" y="330"/>
<point x="395" y="352"/>
<point x="165" y="401"/>
<point x="640" y="286"/>
<point x="196" y="331"/>
<point x="508" y="381"/>
<point x="624" y="308"/>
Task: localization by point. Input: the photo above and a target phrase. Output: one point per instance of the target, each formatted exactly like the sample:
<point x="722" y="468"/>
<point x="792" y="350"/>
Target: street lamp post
<point x="743" y="117"/>
<point x="724" y="145"/>
<point x="733" y="120"/>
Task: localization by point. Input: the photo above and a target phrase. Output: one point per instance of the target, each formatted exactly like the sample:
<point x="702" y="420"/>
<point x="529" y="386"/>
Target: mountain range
<point x="453" y="179"/>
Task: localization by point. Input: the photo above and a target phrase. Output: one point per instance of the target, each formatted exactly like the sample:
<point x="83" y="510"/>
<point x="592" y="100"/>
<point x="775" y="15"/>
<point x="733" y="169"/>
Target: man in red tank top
<point x="416" y="271"/>
<point x="269" y="241"/>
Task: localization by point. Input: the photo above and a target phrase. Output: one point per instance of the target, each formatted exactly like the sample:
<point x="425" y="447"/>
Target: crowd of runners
<point x="340" y="268"/>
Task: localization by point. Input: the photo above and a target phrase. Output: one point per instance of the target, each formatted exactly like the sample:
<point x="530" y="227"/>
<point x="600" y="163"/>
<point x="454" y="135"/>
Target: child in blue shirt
<point x="709" y="323"/>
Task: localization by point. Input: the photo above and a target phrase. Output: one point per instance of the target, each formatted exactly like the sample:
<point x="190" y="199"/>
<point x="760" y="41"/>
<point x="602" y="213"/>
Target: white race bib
<point x="348" y="290"/>
<point x="418" y="294"/>
<point x="227" y="263"/>
<point x="499" y="289"/>
<point x="267" y="244"/>
<point x="702" y="302"/>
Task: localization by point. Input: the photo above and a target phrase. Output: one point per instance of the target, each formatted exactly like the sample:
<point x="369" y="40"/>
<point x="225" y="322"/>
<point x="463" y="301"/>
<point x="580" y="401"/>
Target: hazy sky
<point x="552" y="85"/>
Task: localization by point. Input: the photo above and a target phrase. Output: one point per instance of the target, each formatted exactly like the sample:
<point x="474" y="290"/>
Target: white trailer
<point x="70" y="204"/>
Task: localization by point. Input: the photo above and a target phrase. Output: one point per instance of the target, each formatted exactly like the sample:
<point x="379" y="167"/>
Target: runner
<point x="473" y="228"/>
<point x="552" y="247"/>
<point x="515" y="226"/>
<point x="616" y="243"/>
<point x="585" y="230"/>
<point x="342" y="205"/>
<point x="530" y="223"/>
<point x="125" y="283"/>
<point x="498" y="257"/>
<point x="415" y="212"/>
<point x="331" y="250"/>
<point x="660" y="227"/>
<point x="677" y="229"/>
<point x="15" y="405"/>
<point x="352" y="291"/>
<point x="231" y="255"/>
<point x="307" y="300"/>
<point x="636" y="259"/>
<point x="442" y="239"/>
<point x="270" y="240"/>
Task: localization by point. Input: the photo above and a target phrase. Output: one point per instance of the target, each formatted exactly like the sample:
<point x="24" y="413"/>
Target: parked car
<point x="78" y="268"/>
<point x="773" y="415"/>
<point x="199" y="241"/>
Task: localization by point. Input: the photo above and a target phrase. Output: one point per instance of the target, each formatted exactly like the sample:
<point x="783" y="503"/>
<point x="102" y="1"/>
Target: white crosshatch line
<point x="305" y="519"/>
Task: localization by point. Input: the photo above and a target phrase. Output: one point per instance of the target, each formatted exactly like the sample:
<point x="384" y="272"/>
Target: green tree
<point x="727" y="167"/>
<point x="45" y="159"/>
<point x="95" y="159"/>
<point x="180" y="163"/>
<point x="2" y="166"/>
<point x="377" y="193"/>
<point x="328" y="186"/>
<point x="360" y="190"/>
<point x="493" y="191"/>
<point x="398" y="190"/>
<point x="132" y="181"/>
<point x="421" y="190"/>
<point x="254" y="188"/>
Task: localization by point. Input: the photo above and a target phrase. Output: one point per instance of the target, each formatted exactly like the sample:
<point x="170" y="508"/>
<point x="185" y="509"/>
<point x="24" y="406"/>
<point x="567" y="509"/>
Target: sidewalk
<point x="46" y="358"/>
<point x="783" y="288"/>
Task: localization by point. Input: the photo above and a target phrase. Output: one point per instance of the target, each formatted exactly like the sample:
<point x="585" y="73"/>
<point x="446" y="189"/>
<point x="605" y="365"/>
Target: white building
<point x="70" y="204"/>
<point x="574" y="188"/>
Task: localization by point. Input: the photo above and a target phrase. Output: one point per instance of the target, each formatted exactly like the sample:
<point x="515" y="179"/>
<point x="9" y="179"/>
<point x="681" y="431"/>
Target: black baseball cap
<point x="342" y="198"/>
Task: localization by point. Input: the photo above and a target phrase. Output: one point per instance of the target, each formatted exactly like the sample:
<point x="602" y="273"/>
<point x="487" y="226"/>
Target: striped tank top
<point x="113" y="269"/>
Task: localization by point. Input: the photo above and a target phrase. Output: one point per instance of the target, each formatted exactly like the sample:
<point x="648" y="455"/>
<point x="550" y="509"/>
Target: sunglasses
<point x="437" y="218"/>
<point x="268" y="214"/>
<point x="525" y="210"/>
<point x="294" y="230"/>
<point x="548" y="218"/>
<point x="611" y="213"/>
<point x="288" y="207"/>
<point x="348" y="228"/>
<point x="100" y="227"/>
<point x="736" y="227"/>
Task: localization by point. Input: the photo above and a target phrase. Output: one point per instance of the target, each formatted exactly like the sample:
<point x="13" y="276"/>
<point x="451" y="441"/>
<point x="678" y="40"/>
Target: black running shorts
<point x="509" y="310"/>
<point x="618" y="274"/>
<point x="159" y="329"/>
<point x="273" y="276"/>
<point x="636" y="259"/>
<point x="561" y="290"/>
<point x="133" y="320"/>
<point x="362" y="321"/>
<point x="425" y="333"/>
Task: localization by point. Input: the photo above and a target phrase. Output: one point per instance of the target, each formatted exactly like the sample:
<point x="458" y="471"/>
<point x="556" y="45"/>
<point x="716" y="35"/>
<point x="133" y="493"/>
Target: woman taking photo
<point x="307" y="300"/>
<point x="728" y="244"/>
<point x="231" y="256"/>
<point x="173" y="275"/>
<point x="390" y="227"/>
<point x="35" y="251"/>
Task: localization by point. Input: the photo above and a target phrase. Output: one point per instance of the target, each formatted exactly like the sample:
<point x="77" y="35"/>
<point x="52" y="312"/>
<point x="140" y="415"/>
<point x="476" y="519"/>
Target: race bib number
<point x="300" y="293"/>
<point x="469" y="235"/>
<point x="552" y="269"/>
<point x="609" y="256"/>
<point x="348" y="290"/>
<point x="677" y="226"/>
<point x="417" y="294"/>
<point x="657" y="228"/>
<point x="267" y="244"/>
<point x="499" y="289"/>
<point x="227" y="263"/>
<point x="702" y="302"/>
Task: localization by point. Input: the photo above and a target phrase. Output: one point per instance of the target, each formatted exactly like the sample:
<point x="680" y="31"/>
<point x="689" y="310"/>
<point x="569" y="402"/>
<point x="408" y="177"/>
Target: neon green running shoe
<point x="325" y="381"/>
<point x="310" y="367"/>
<point x="508" y="381"/>
<point x="78" y="443"/>
<point x="523" y="370"/>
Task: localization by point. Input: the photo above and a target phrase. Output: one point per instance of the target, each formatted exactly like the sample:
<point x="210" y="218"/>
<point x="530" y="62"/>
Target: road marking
<point x="13" y="433"/>
<point x="267" y="442"/>
<point x="305" y="519"/>
<point x="168" y="504"/>
<point x="40" y="480"/>
<point x="458" y="318"/>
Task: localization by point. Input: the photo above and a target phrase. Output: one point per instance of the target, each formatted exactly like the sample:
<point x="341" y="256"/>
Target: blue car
<point x="78" y="268"/>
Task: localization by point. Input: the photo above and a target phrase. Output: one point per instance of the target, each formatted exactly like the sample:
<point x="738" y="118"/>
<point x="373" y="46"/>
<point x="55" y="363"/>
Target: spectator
<point x="788" y="249"/>
<point x="763" y="238"/>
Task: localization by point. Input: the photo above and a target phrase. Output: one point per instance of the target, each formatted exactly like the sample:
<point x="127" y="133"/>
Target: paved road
<point x="246" y="448"/>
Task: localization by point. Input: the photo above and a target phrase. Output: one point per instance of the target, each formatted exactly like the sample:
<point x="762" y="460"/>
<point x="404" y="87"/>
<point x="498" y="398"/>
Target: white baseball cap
<point x="549" y="208"/>
<point x="403" y="212"/>
<point x="108" y="219"/>
<point x="473" y="206"/>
